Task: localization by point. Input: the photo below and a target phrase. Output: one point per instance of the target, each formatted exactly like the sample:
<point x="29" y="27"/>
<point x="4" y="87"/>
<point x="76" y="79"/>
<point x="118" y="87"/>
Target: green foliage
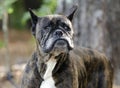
<point x="48" y="7"/>
<point x="25" y="17"/>
<point x="6" y="5"/>
<point x="15" y="18"/>
<point x="18" y="16"/>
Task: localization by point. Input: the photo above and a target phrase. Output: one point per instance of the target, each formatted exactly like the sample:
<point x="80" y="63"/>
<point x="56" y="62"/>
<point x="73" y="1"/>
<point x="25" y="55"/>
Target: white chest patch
<point x="48" y="80"/>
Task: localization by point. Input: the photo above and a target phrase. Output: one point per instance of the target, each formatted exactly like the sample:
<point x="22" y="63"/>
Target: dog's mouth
<point x="59" y="44"/>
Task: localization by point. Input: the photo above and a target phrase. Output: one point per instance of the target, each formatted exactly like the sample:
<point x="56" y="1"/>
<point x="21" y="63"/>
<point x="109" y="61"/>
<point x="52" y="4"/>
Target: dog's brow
<point x="46" y="21"/>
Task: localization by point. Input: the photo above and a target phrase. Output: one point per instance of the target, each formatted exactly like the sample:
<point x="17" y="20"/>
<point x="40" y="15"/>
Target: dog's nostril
<point x="58" y="33"/>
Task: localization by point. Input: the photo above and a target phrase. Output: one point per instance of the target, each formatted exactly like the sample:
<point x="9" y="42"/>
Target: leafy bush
<point x="48" y="7"/>
<point x="6" y="5"/>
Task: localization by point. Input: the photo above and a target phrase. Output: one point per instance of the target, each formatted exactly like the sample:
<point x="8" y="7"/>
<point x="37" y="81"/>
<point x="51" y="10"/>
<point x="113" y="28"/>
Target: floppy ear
<point x="34" y="20"/>
<point x="72" y="11"/>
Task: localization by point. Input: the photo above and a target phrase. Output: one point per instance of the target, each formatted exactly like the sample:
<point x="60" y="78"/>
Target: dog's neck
<point x="44" y="59"/>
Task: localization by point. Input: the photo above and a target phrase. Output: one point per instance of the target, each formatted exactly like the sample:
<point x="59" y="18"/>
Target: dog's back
<point x="94" y="69"/>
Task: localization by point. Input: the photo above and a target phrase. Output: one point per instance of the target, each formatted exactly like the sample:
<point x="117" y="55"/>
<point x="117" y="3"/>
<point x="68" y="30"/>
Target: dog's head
<point x="53" y="33"/>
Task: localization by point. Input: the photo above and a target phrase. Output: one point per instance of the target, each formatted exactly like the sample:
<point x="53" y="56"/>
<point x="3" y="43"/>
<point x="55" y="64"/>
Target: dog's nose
<point x="58" y="33"/>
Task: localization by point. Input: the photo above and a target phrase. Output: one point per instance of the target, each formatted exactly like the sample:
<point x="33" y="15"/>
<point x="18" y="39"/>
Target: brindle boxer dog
<point x="57" y="64"/>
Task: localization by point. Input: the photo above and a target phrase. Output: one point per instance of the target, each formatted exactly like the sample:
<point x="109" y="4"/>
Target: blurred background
<point x="96" y="24"/>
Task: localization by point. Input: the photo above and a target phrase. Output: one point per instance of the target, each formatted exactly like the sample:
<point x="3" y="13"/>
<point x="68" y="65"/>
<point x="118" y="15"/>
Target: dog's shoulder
<point x="31" y="75"/>
<point x="31" y="64"/>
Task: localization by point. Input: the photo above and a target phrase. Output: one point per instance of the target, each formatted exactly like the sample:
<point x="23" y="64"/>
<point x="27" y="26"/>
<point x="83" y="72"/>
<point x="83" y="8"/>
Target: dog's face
<point x="53" y="33"/>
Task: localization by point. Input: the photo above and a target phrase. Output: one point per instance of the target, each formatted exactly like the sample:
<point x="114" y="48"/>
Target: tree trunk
<point x="5" y="30"/>
<point x="113" y="24"/>
<point x="89" y="24"/>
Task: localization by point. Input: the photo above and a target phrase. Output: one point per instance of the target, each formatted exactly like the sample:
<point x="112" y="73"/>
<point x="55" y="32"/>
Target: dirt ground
<point x="21" y="46"/>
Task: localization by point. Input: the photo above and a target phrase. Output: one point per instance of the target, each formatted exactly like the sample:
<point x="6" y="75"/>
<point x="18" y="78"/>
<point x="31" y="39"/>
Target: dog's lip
<point x="47" y="50"/>
<point x="61" y="42"/>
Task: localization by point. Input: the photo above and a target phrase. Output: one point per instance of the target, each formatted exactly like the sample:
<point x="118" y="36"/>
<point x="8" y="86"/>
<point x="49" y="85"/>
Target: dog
<point x="56" y="63"/>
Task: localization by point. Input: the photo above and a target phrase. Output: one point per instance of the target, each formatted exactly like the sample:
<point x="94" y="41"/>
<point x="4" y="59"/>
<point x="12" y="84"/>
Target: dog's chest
<point x="48" y="79"/>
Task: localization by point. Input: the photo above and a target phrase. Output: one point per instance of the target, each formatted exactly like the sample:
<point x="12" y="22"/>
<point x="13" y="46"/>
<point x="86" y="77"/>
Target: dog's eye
<point x="65" y="27"/>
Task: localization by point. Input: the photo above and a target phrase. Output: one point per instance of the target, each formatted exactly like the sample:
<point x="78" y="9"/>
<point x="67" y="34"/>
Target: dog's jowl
<point x="57" y="63"/>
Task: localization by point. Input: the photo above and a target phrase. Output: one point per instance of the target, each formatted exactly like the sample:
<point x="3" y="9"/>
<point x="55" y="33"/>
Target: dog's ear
<point x="72" y="11"/>
<point x="34" y="20"/>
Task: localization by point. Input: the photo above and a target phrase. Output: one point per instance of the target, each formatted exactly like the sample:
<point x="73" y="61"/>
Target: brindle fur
<point x="83" y="68"/>
<point x="76" y="68"/>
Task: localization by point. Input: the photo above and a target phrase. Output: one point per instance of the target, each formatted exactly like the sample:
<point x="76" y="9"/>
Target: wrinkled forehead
<point x="53" y="19"/>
